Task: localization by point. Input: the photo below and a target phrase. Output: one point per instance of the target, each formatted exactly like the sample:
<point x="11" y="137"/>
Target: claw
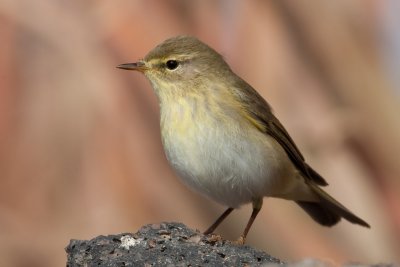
<point x="241" y="240"/>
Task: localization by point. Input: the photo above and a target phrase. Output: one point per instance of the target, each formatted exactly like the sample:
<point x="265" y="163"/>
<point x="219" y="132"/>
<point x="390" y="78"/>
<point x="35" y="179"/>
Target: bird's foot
<point x="213" y="238"/>
<point x="241" y="240"/>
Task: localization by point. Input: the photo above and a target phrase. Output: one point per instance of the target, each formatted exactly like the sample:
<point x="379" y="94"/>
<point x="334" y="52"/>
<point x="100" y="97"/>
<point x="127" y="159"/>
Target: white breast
<point x="226" y="159"/>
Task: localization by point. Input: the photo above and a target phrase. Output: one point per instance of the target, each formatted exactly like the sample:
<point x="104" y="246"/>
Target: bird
<point x="222" y="138"/>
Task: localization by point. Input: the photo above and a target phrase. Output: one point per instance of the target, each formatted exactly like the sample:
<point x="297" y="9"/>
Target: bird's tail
<point x="328" y="211"/>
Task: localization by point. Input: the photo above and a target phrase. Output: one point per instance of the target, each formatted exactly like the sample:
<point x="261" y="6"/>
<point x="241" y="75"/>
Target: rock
<point x="165" y="244"/>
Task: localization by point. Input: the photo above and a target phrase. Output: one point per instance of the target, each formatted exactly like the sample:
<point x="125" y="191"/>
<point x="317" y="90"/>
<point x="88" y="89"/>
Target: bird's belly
<point x="230" y="166"/>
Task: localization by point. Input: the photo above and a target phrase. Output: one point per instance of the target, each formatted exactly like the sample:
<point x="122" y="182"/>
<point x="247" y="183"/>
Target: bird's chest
<point x="200" y="141"/>
<point x="213" y="152"/>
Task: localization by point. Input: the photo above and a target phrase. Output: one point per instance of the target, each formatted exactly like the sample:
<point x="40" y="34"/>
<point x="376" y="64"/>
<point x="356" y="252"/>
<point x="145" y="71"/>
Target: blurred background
<point x="80" y="150"/>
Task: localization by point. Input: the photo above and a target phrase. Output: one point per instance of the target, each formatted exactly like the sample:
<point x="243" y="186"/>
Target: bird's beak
<point x="138" y="66"/>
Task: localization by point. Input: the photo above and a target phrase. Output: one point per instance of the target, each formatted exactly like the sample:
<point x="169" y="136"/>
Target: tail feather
<point x="319" y="213"/>
<point x="329" y="211"/>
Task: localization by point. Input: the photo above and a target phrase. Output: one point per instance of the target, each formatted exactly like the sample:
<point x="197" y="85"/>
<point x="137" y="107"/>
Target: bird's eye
<point x="172" y="64"/>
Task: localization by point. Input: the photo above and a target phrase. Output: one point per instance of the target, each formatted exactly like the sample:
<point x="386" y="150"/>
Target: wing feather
<point x="260" y="114"/>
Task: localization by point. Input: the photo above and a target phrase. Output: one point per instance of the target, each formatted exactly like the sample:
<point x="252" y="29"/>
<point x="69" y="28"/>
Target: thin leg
<point x="257" y="204"/>
<point x="218" y="221"/>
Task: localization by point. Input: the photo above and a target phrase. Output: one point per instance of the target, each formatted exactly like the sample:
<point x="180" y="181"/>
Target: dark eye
<point x="172" y="64"/>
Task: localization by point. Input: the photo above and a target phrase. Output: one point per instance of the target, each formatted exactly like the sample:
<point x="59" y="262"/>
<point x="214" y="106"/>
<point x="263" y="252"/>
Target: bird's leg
<point x="218" y="221"/>
<point x="257" y="204"/>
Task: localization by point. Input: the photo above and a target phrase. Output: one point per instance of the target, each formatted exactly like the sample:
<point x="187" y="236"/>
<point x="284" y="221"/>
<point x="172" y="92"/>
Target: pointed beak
<point x="138" y="66"/>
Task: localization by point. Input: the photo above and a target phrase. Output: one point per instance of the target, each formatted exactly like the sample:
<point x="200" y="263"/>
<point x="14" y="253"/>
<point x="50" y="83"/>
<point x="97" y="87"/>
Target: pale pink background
<point x="80" y="150"/>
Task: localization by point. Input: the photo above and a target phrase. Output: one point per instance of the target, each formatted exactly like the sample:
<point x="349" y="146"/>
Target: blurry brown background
<point x="80" y="151"/>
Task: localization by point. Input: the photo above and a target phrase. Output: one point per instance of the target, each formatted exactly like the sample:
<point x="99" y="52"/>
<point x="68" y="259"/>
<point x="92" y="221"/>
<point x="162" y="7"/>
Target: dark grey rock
<point x="165" y="244"/>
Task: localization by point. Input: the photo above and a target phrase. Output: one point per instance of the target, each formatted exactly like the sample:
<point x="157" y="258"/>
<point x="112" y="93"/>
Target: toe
<point x="241" y="240"/>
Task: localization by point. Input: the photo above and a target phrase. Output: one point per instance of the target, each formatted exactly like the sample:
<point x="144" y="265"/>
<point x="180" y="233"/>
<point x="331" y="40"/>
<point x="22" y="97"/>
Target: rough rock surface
<point x="165" y="244"/>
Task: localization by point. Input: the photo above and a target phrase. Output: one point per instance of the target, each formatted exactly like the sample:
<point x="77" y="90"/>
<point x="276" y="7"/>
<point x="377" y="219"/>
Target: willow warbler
<point x="222" y="139"/>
